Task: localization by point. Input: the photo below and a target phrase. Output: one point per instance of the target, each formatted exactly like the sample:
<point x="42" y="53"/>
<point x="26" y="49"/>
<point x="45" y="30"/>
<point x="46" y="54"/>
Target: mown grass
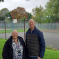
<point x="20" y="30"/>
<point x="49" y="53"/>
<point x="2" y="42"/>
<point x="10" y="31"/>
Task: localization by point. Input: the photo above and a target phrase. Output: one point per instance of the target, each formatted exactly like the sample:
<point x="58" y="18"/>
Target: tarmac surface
<point x="51" y="39"/>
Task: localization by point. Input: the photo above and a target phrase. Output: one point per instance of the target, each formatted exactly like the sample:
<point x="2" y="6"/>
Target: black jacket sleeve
<point x="4" y="52"/>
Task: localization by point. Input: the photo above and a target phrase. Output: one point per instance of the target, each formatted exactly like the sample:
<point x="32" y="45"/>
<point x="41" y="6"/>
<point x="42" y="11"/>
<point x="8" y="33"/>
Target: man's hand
<point x="39" y="58"/>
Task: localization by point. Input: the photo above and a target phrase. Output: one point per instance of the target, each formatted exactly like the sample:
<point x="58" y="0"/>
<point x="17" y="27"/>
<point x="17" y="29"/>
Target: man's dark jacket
<point x="8" y="50"/>
<point x="35" y="43"/>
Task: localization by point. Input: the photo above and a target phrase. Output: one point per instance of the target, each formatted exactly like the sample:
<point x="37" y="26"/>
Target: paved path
<point x="50" y="38"/>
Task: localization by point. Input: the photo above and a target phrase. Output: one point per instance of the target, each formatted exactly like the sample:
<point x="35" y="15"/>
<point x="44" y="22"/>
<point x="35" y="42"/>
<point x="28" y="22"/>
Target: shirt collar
<point x="13" y="40"/>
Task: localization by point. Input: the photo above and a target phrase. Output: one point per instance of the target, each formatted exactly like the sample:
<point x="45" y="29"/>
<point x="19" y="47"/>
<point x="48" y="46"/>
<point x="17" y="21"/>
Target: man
<point x="35" y="43"/>
<point x="14" y="47"/>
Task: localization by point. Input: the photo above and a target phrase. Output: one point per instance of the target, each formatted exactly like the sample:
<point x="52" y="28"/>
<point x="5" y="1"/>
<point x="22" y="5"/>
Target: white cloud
<point x="28" y="5"/>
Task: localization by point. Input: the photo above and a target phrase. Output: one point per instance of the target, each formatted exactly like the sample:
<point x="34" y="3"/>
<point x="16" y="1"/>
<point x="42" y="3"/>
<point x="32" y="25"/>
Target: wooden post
<point x="24" y="29"/>
<point x="5" y="28"/>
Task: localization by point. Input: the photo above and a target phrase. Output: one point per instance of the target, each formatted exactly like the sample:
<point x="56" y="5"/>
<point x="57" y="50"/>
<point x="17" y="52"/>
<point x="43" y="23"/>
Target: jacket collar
<point x="10" y="40"/>
<point x="30" y="29"/>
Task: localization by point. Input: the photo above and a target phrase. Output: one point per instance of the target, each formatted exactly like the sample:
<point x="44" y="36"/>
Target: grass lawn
<point x="20" y="30"/>
<point x="2" y="41"/>
<point x="49" y="54"/>
<point x="9" y="31"/>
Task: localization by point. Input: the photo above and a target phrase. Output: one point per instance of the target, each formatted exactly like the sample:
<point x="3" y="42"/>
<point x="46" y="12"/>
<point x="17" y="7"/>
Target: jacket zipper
<point x="30" y="43"/>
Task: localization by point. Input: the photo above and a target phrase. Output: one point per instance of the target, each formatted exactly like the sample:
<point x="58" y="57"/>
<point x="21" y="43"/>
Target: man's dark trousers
<point x="32" y="57"/>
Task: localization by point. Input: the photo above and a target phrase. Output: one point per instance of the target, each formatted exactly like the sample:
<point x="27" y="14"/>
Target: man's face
<point x="31" y="23"/>
<point x="15" y="34"/>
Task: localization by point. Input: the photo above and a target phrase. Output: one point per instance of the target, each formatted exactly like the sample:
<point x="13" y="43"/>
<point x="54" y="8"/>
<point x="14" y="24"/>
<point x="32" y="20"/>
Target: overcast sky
<point x="28" y="5"/>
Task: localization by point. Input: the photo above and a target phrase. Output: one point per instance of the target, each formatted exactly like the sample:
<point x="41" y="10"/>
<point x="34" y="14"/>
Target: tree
<point x="18" y="13"/>
<point x="3" y="13"/>
<point x="29" y="15"/>
<point x="14" y="14"/>
<point x="38" y="14"/>
<point x="52" y="8"/>
<point x="1" y="0"/>
<point x="8" y="14"/>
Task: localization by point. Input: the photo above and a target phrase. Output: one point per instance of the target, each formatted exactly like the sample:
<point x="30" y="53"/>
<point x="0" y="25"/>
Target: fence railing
<point x="20" y="25"/>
